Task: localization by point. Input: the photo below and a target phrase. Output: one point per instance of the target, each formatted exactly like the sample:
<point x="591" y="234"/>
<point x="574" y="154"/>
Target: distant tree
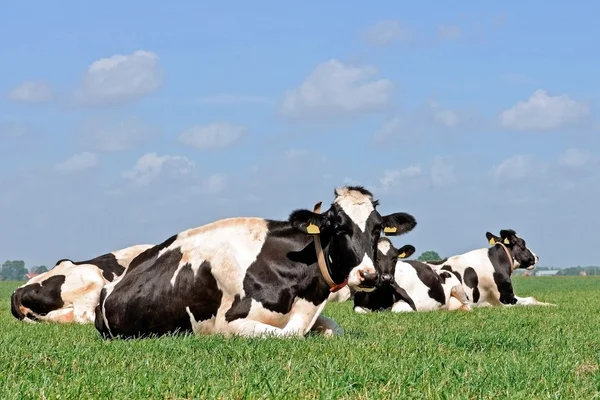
<point x="429" y="255"/>
<point x="39" y="269"/>
<point x="13" y="270"/>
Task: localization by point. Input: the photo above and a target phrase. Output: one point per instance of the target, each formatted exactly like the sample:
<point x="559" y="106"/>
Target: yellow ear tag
<point x="403" y="255"/>
<point x="506" y="241"/>
<point x="312" y="229"/>
<point x="390" y="229"/>
<point x="492" y="241"/>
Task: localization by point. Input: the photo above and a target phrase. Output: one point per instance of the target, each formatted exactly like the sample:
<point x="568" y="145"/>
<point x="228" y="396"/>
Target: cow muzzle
<point x="363" y="279"/>
<point x="386" y="278"/>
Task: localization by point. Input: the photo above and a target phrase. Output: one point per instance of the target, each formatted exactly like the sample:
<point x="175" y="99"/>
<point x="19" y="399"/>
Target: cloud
<point x="428" y="118"/>
<point x="576" y="158"/>
<point x="120" y="78"/>
<point x="77" y="163"/>
<point x="213" y="136"/>
<point x="449" y="32"/>
<point x="149" y="166"/>
<point x="542" y="112"/>
<point x="442" y="173"/>
<point x="103" y="134"/>
<point x="31" y="92"/>
<point x="518" y="168"/>
<point x="393" y="177"/>
<point x="335" y="89"/>
<point x="229" y="99"/>
<point x="385" y="32"/>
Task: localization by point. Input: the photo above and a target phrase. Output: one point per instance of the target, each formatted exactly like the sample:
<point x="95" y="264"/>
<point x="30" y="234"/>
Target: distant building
<point x="31" y="275"/>
<point x="582" y="273"/>
<point x="547" y="273"/>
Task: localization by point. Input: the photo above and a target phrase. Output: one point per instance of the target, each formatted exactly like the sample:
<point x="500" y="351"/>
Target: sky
<point x="124" y="123"/>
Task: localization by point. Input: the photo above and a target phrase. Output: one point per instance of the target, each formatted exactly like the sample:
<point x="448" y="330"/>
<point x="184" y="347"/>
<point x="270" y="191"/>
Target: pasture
<point x="516" y="353"/>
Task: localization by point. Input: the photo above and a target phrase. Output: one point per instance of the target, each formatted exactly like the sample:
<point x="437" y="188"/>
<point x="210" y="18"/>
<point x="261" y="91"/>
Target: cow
<point x="408" y="285"/>
<point x="486" y="272"/>
<point x="250" y="276"/>
<point x="69" y="291"/>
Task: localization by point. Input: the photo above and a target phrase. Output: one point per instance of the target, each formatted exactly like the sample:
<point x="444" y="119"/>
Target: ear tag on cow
<point x="312" y="229"/>
<point x="402" y="255"/>
<point x="390" y="229"/>
<point x="506" y="241"/>
<point x="492" y="241"/>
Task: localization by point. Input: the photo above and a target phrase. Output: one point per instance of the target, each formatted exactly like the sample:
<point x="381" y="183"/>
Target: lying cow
<point x="251" y="277"/>
<point x="486" y="272"/>
<point x="69" y="292"/>
<point x="409" y="285"/>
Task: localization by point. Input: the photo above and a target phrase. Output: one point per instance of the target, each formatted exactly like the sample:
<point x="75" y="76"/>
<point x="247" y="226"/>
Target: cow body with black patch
<point x="486" y="273"/>
<point x="249" y="276"/>
<point x="409" y="285"/>
<point x="69" y="292"/>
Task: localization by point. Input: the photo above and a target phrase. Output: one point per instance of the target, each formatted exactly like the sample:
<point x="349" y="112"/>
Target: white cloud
<point x="77" y="163"/>
<point x="216" y="183"/>
<point x="518" y="167"/>
<point x="335" y="89"/>
<point x="384" y="33"/>
<point x="215" y="135"/>
<point x="150" y="165"/>
<point x="228" y="99"/>
<point x="393" y="176"/>
<point x="543" y="112"/>
<point x="442" y="173"/>
<point x="105" y="135"/>
<point x="120" y="78"/>
<point x="31" y="92"/>
<point x="575" y="158"/>
<point x="449" y="32"/>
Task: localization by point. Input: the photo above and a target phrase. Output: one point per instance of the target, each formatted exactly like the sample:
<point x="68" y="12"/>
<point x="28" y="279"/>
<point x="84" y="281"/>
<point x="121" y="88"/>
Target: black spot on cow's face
<point x="351" y="227"/>
<point x="522" y="255"/>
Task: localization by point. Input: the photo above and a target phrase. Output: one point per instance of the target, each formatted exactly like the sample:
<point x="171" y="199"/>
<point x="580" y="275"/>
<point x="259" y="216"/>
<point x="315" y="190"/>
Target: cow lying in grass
<point x="69" y="292"/>
<point x="409" y="285"/>
<point x="486" y="272"/>
<point x="251" y="276"/>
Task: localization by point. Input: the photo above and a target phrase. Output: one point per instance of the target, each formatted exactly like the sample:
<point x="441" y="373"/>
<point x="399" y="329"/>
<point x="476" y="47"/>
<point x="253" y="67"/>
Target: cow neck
<point x="322" y="260"/>
<point x="510" y="257"/>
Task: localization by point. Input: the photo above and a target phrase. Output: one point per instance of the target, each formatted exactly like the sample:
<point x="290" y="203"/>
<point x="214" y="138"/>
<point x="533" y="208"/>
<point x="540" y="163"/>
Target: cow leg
<point x="458" y="299"/>
<point x="251" y="329"/>
<point x="63" y="316"/>
<point x="84" y="313"/>
<point x="531" y="301"/>
<point x="361" y="310"/>
<point x="327" y="326"/>
<point x="402" y="306"/>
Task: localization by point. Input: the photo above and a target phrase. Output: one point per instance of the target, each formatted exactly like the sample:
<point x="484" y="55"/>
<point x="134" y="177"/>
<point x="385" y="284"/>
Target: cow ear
<point x="398" y="224"/>
<point x="492" y="239"/>
<point x="406" y="251"/>
<point x="308" y="221"/>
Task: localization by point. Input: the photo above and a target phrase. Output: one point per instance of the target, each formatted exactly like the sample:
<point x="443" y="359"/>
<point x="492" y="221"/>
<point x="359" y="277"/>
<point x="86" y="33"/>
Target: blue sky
<point x="125" y="122"/>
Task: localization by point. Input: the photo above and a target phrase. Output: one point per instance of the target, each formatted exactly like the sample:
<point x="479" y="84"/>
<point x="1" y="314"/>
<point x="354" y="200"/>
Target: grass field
<point x="493" y="353"/>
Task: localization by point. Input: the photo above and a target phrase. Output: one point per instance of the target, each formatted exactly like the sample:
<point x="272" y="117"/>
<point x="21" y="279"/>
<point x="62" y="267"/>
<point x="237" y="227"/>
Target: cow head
<point x="524" y="258"/>
<point x="387" y="256"/>
<point x="350" y="230"/>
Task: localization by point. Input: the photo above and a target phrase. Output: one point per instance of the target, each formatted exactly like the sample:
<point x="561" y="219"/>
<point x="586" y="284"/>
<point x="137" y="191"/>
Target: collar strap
<point x="510" y="257"/>
<point x="322" y="261"/>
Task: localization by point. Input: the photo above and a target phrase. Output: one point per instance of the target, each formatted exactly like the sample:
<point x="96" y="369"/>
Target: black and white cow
<point x="408" y="285"/>
<point x="486" y="272"/>
<point x="251" y="276"/>
<point x="69" y="292"/>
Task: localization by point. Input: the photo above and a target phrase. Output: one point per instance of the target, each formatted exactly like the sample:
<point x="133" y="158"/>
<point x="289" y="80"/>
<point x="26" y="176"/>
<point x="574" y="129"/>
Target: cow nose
<point x="368" y="276"/>
<point x="386" y="278"/>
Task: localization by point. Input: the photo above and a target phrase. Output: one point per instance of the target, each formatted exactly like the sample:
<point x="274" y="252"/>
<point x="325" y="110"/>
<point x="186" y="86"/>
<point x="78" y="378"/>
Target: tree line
<point x="15" y="270"/>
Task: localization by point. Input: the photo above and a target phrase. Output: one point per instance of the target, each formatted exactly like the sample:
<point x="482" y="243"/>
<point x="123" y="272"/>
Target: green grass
<point x="493" y="353"/>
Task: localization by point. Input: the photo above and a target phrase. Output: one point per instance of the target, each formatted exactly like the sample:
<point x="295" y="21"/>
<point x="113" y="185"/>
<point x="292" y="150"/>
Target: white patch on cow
<point x="361" y="310"/>
<point x="531" y="301"/>
<point x="401" y="306"/>
<point x="383" y="246"/>
<point x="341" y="295"/>
<point x="356" y="205"/>
<point x="354" y="278"/>
<point x="407" y="278"/>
